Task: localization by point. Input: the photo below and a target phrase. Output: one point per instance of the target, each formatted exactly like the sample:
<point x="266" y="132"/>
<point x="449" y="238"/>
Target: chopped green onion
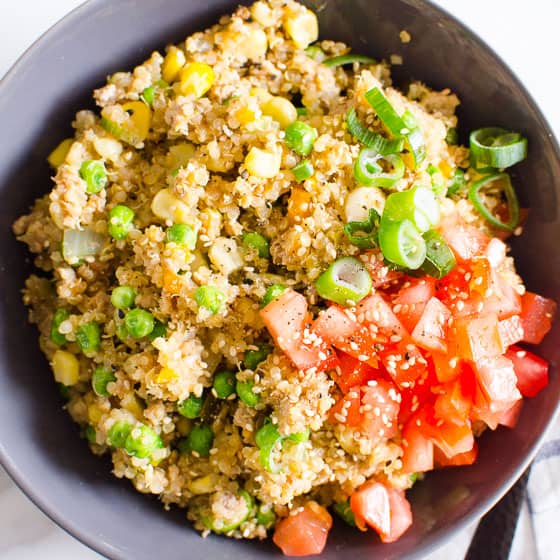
<point x="78" y="245"/>
<point x="370" y="139"/>
<point x="348" y="59"/>
<point x="440" y="259"/>
<point x="266" y="439"/>
<point x="142" y="441"/>
<point x="93" y="172"/>
<point x="200" y="440"/>
<point x="64" y="391"/>
<point x="111" y="127"/>
<point x="88" y="336"/>
<point x="148" y="94"/>
<point x="417" y="204"/>
<point x="439" y="186"/>
<point x="457" y="182"/>
<point x="302" y="111"/>
<point x="234" y="517"/>
<point x="101" y="377"/>
<point x="191" y="407"/>
<point x="344" y="511"/>
<point x="300" y="437"/>
<point x="300" y="137"/>
<point x="224" y="384"/>
<point x="210" y="298"/>
<point x="401" y="243"/>
<point x="364" y="234"/>
<point x="139" y="323"/>
<point x="415" y="142"/>
<point x="346" y="281"/>
<point x="273" y="292"/>
<point x="122" y="297"/>
<point x="303" y="170"/>
<point x="160" y="330"/>
<point x="244" y="390"/>
<point x="120" y="221"/>
<point x="315" y="52"/>
<point x="182" y="234"/>
<point x="414" y="477"/>
<point x="386" y="112"/>
<point x="118" y="433"/>
<point x="497" y="147"/>
<point x="90" y="434"/>
<point x="257" y="242"/>
<point x="266" y="516"/>
<point x="60" y="315"/>
<point x="253" y="358"/>
<point x="513" y="204"/>
<point x="369" y="172"/>
<point x="452" y="136"/>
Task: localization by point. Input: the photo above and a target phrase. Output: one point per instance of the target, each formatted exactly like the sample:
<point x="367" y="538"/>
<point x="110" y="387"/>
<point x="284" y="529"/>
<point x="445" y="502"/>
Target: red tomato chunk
<point x="531" y="371"/>
<point x="537" y="313"/>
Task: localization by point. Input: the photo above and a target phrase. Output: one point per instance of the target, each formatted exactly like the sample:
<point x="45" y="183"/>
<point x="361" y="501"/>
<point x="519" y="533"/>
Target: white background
<point x="524" y="34"/>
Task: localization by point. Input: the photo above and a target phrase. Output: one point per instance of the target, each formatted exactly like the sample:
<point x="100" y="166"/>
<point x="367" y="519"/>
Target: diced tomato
<point x="460" y="459"/>
<point x="466" y="241"/>
<point x="404" y="362"/>
<point x="417" y="395"/>
<point x="353" y="372"/>
<point x="380" y="273"/>
<point x="412" y="299"/>
<point x="347" y="409"/>
<point x="510" y="416"/>
<point x="495" y="252"/>
<point x="454" y="402"/>
<point x="374" y="310"/>
<point x="475" y="338"/>
<point x="304" y="533"/>
<point x="510" y="330"/>
<point x="383" y="508"/>
<point x="531" y="371"/>
<point x="537" y="313"/>
<point x="446" y="368"/>
<point x="287" y="318"/>
<point x="496" y="377"/>
<point x="418" y="451"/>
<point x="502" y="298"/>
<point x="431" y="330"/>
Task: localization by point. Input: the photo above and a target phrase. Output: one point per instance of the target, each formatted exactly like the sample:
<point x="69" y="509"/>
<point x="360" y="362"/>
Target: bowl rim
<point x="437" y="538"/>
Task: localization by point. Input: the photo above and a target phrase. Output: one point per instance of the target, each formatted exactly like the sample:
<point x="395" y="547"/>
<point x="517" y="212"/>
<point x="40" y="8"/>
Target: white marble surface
<point x="524" y="35"/>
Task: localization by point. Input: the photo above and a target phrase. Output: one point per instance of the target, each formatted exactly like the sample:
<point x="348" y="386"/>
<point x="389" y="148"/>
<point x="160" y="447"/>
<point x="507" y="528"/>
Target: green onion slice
<point x="364" y="234"/>
<point x="303" y="170"/>
<point x="344" y="511"/>
<point x="457" y="182"/>
<point x="452" y="136"/>
<point x="78" y="244"/>
<point x="370" y="173"/>
<point x="440" y="259"/>
<point x="380" y="144"/>
<point x="266" y="438"/>
<point x="348" y="59"/>
<point x="418" y="204"/>
<point x="315" y="52"/>
<point x="497" y="147"/>
<point x="439" y="186"/>
<point x="479" y="203"/>
<point x="345" y="281"/>
<point x="402" y="244"/>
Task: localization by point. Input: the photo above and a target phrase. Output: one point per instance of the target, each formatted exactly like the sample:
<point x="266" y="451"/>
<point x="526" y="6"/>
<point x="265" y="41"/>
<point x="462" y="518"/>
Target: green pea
<point x="160" y="330"/>
<point x="191" y="407"/>
<point x="224" y="384"/>
<point x="253" y="358"/>
<point x="139" y="323"/>
<point x="244" y="390"/>
<point x="88" y="336"/>
<point x="64" y="391"/>
<point x="300" y="137"/>
<point x="122" y="333"/>
<point x="101" y="377"/>
<point x="89" y="432"/>
<point x="142" y="441"/>
<point x="273" y="292"/>
<point x="122" y="297"/>
<point x="93" y="172"/>
<point x="120" y="221"/>
<point x="60" y="315"/>
<point x="210" y="297"/>
<point x="182" y="234"/>
<point x="266" y="516"/>
<point x="118" y="433"/>
<point x="258" y="242"/>
<point x="200" y="440"/>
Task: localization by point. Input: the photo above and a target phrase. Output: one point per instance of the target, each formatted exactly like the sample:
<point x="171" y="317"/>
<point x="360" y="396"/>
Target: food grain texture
<point x="195" y="135"/>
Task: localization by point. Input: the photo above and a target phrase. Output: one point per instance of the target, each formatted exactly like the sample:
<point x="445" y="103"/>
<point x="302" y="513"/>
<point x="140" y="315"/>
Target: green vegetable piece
<point x="439" y="186"/>
<point x="210" y="297"/>
<point x="160" y="330"/>
<point x="149" y="93"/>
<point x="414" y="477"/>
<point x="191" y="407"/>
<point x="344" y="511"/>
<point x="139" y="323"/>
<point x="273" y="292"/>
<point x="258" y="242"/>
<point x="93" y="172"/>
<point x="266" y="516"/>
<point x="440" y="259"/>
<point x="122" y="297"/>
<point x="118" y="433"/>
<point x="200" y="440"/>
<point x="64" y="391"/>
<point x="101" y="377"/>
<point x="59" y="316"/>
<point x="456" y="183"/>
<point x="303" y="170"/>
<point x="346" y="281"/>
<point x="224" y="384"/>
<point x="452" y="136"/>
<point x="497" y="147"/>
<point x="122" y="332"/>
<point x="88" y="336"/>
<point x="300" y="137"/>
<point x="364" y="234"/>
<point x="370" y="139"/>
<point x="418" y="205"/>
<point x="142" y="441"/>
<point x="369" y="172"/>
<point x="402" y="243"/>
<point x="90" y="434"/>
<point x="120" y="221"/>
<point x="343" y="59"/>
<point x="253" y="358"/>
<point x="244" y="390"/>
<point x="300" y="437"/>
<point x="236" y="516"/>
<point x="265" y="438"/>
<point x="302" y="111"/>
<point x="182" y="234"/>
<point x="315" y="52"/>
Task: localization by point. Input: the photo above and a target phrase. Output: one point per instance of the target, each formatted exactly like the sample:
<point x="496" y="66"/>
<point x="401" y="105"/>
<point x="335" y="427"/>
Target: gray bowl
<point x="40" y="446"/>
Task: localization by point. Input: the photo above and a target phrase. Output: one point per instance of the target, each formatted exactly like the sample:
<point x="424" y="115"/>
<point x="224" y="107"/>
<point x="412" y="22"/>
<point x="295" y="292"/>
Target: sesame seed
<point x="340" y="418"/>
<point x="521" y="354"/>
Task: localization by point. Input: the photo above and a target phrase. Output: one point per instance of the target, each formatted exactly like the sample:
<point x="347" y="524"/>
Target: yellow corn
<point x="94" y="413"/>
<point x="58" y="155"/>
<point x="262" y="163"/>
<point x="211" y="222"/>
<point x="302" y="27"/>
<point x="299" y="205"/>
<point x="169" y="208"/>
<point x="66" y="367"/>
<point x="136" y="129"/>
<point x="254" y="43"/>
<point x="261" y="94"/>
<point x="133" y="404"/>
<point x="180" y="154"/>
<point x="281" y="110"/>
<point x="203" y="484"/>
<point x="173" y="61"/>
<point x="166" y="375"/>
<point x="196" y="79"/>
<point x="245" y="115"/>
<point x="108" y="148"/>
<point x="262" y="13"/>
<point x="225" y="255"/>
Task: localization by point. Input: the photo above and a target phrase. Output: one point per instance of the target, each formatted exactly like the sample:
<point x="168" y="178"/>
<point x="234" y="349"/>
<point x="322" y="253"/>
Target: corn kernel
<point x="94" y="413"/>
<point x="299" y="205"/>
<point x="66" y="368"/>
<point x="107" y="148"/>
<point x="137" y="127"/>
<point x="281" y="110"/>
<point x="302" y="27"/>
<point x="166" y="375"/>
<point x="245" y="115"/>
<point x="180" y="154"/>
<point x="261" y="94"/>
<point x="172" y="63"/>
<point x="360" y="200"/>
<point x="262" y="13"/>
<point x="254" y="43"/>
<point x="225" y="255"/>
<point x="169" y="208"/>
<point x="196" y="79"/>
<point x="211" y="223"/>
<point x="203" y="484"/>
<point x="133" y="404"/>
<point x="58" y="155"/>
<point x="262" y="163"/>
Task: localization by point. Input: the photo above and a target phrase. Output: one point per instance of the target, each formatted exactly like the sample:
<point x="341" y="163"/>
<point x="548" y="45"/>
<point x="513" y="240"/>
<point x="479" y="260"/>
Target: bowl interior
<point x="40" y="446"/>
